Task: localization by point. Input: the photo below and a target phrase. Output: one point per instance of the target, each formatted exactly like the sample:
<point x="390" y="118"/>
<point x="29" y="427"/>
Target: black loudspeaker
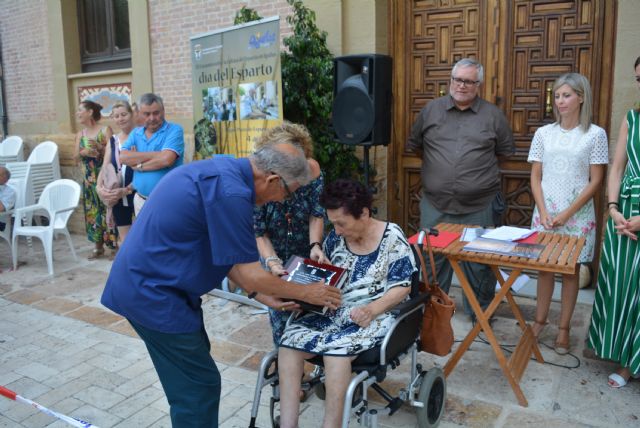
<point x="362" y="99"/>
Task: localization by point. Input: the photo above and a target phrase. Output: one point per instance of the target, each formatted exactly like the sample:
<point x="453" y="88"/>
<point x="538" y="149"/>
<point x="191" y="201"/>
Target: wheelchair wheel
<point x="432" y="393"/>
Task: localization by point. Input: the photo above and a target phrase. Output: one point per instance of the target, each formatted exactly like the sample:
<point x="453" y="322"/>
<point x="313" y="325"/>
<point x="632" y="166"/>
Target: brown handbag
<point x="436" y="336"/>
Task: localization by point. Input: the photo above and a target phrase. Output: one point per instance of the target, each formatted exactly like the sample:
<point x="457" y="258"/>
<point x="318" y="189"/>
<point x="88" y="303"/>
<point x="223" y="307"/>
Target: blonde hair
<point x="288" y="132"/>
<point x="580" y="86"/>
<point x="123" y="104"/>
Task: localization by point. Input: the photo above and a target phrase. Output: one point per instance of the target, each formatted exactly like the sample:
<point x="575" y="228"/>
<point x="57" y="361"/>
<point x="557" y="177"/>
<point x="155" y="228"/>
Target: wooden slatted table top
<point x="560" y="254"/>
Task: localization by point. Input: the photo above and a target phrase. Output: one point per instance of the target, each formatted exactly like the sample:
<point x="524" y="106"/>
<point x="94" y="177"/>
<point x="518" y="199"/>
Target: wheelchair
<point x="425" y="390"/>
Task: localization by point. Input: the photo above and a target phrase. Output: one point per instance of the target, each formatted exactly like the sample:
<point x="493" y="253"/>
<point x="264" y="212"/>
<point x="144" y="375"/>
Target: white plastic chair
<point x="11" y="150"/>
<point x="45" y="166"/>
<point x="58" y="200"/>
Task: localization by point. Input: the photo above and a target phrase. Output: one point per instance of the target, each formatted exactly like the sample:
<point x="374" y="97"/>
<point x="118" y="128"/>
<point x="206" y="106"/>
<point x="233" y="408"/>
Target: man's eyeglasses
<point x="465" y="82"/>
<point x="288" y="193"/>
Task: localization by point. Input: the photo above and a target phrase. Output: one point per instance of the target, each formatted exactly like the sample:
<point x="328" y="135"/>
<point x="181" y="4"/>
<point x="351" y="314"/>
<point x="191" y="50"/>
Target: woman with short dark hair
<point x="380" y="264"/>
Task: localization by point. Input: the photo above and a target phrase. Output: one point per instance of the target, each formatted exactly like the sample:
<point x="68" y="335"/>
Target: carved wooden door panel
<point x="524" y="45"/>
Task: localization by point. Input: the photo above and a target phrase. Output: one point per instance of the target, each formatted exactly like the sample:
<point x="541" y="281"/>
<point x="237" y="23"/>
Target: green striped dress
<point x="614" y="332"/>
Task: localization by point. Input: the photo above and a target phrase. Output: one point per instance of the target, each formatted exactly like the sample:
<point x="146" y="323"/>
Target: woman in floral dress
<point x="90" y="146"/>
<point x="380" y="264"/>
<point x="294" y="226"/>
<point x="568" y="159"/>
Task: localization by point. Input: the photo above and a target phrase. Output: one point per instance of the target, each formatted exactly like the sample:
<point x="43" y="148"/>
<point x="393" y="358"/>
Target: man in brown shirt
<point x="459" y="138"/>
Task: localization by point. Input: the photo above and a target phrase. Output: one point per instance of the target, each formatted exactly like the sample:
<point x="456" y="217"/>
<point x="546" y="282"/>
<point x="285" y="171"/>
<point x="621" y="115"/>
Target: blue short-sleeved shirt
<point x="198" y="224"/>
<point x="169" y="137"/>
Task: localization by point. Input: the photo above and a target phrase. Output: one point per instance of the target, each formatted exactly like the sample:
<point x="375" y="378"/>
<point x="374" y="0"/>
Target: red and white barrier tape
<point x="71" y="421"/>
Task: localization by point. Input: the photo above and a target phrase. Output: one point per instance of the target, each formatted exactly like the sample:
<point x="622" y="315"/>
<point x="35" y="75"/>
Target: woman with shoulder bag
<point x="114" y="183"/>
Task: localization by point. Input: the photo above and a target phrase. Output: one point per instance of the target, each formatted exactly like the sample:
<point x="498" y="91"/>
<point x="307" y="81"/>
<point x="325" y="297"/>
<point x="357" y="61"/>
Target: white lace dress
<point x="566" y="157"/>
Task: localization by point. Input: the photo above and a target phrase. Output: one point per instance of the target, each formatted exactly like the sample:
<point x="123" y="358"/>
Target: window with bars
<point x="104" y="34"/>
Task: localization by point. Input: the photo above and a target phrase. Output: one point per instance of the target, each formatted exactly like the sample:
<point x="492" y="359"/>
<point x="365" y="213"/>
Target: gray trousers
<point x="481" y="278"/>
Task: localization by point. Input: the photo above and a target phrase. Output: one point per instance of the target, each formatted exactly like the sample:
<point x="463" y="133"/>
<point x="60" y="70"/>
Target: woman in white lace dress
<point x="568" y="160"/>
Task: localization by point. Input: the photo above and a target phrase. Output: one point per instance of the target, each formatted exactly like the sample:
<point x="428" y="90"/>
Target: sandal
<point x="617" y="381"/>
<point x="96" y="254"/>
<point x="562" y="347"/>
<point x="537" y="327"/>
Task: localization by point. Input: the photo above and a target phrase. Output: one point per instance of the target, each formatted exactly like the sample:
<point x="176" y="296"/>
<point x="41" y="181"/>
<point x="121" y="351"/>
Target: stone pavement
<point x="60" y="348"/>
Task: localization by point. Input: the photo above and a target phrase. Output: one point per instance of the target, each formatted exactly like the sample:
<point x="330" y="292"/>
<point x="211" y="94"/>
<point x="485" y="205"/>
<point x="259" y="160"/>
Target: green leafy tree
<point x="246" y="14"/>
<point x="307" y="80"/>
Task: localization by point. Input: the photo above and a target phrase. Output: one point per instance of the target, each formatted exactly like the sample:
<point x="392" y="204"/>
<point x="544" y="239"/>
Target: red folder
<point x="441" y="241"/>
<point x="531" y="239"/>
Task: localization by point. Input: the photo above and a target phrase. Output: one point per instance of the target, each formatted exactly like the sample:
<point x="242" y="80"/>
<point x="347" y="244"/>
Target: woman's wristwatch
<point x="313" y="244"/>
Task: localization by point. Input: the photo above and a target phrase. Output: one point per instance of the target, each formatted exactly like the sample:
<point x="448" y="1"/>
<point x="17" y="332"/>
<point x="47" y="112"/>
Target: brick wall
<point x="26" y="60"/>
<point x="171" y="28"/>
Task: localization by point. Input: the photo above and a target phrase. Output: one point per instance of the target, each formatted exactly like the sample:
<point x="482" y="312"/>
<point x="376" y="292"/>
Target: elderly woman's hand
<point x="362" y="315"/>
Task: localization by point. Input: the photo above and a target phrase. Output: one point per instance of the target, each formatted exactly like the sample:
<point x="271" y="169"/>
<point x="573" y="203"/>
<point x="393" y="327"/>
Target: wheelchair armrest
<point x="405" y="307"/>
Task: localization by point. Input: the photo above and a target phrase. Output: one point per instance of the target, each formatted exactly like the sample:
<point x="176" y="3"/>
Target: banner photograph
<point x="237" y="87"/>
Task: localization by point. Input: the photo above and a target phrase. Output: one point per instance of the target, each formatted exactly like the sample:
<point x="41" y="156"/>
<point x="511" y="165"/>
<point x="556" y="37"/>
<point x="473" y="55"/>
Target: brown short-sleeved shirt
<point x="460" y="148"/>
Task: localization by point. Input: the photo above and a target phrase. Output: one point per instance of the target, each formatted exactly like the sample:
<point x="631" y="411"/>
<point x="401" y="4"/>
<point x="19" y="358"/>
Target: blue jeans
<point x="189" y="376"/>
<point x="481" y="277"/>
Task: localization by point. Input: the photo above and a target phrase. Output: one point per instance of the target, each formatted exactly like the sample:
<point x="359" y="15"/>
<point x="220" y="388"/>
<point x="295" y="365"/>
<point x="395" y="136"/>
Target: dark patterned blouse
<point x="287" y="223"/>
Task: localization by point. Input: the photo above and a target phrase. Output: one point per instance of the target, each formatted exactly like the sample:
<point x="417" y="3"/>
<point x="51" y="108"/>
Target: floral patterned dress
<point x="370" y="277"/>
<point x="94" y="210"/>
<point x="287" y="224"/>
<point x="566" y="156"/>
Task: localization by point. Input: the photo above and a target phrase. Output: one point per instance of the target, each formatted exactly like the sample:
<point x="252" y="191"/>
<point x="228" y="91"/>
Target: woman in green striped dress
<point x="614" y="332"/>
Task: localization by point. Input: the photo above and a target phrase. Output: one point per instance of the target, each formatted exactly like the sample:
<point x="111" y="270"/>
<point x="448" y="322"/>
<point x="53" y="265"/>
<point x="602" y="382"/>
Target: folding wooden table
<point x="560" y="255"/>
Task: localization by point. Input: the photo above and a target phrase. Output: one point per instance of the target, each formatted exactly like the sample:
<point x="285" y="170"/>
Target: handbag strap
<point x="432" y="286"/>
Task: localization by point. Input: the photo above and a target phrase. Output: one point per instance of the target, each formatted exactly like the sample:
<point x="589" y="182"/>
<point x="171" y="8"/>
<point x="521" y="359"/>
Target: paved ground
<point x="59" y="347"/>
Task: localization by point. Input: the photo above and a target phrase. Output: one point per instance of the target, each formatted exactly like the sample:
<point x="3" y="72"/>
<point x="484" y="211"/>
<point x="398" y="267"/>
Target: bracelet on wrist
<point x="610" y="204"/>
<point x="270" y="259"/>
<point x="313" y="244"/>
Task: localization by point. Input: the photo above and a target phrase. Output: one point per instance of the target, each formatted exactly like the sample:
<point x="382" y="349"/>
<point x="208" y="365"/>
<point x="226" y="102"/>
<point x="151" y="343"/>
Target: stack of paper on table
<point x="508" y="233"/>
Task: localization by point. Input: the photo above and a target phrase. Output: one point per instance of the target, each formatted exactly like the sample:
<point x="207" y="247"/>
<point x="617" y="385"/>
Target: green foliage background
<point x="307" y="80"/>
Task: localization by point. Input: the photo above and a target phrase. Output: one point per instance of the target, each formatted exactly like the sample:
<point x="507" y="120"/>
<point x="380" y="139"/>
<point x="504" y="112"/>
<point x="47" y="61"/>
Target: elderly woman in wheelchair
<point x="380" y="263"/>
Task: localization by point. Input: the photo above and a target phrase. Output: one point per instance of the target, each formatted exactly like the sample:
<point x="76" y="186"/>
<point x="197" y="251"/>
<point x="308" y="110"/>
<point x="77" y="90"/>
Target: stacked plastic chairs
<point x="58" y="200"/>
<point x="45" y="166"/>
<point x="11" y="150"/>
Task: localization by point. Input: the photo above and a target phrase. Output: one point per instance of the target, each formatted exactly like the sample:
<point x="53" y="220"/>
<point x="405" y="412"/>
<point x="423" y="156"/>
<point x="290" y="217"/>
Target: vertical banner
<point x="237" y="87"/>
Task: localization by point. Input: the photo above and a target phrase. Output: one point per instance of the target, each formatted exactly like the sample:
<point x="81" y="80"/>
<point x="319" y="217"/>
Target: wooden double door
<point x="524" y="46"/>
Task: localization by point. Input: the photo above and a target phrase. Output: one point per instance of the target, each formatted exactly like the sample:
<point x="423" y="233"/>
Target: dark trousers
<point x="480" y="276"/>
<point x="188" y="374"/>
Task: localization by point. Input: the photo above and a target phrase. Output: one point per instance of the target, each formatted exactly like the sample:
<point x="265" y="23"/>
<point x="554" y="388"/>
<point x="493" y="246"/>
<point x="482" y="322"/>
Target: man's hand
<point x="322" y="295"/>
<point x="276" y="303"/>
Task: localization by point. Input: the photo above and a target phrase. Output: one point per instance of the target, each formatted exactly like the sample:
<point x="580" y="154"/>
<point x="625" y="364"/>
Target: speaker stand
<point x="365" y="161"/>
